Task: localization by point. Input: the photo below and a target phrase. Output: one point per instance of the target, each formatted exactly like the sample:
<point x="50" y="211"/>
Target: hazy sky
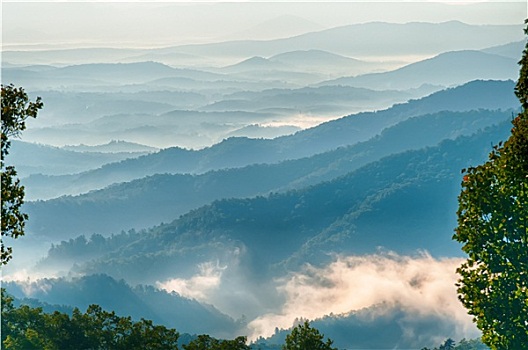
<point x="152" y="24"/>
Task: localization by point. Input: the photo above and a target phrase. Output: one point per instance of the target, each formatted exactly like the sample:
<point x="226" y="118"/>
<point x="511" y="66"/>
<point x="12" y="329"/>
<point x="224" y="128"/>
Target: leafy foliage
<point x="464" y="344"/>
<point x="169" y="309"/>
<point x="16" y="108"/>
<point x="304" y="337"/>
<point x="206" y="342"/>
<point x="521" y="89"/>
<point x="29" y="328"/>
<point x="492" y="225"/>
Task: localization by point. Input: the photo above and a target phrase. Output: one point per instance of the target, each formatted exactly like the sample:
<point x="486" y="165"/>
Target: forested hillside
<point x="239" y="152"/>
<point x="214" y="189"/>
<point x="403" y="202"/>
<point x="172" y="195"/>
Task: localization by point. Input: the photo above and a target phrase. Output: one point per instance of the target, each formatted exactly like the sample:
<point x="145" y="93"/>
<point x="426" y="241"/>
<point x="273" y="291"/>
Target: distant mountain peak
<point x="119" y="64"/>
<point x="252" y="63"/>
<point x="279" y="27"/>
<point x="114" y="146"/>
<point x="304" y="56"/>
<point x="256" y="59"/>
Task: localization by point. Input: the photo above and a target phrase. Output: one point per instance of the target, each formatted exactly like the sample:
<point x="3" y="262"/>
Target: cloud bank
<point x="198" y="286"/>
<point x="422" y="286"/>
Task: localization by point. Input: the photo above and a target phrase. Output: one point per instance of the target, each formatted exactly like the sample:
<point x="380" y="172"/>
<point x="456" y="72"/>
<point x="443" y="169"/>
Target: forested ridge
<point x="27" y="327"/>
<point x="267" y="194"/>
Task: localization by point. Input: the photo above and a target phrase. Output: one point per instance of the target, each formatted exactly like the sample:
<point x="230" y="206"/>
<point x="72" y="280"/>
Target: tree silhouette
<point x="449" y="344"/>
<point x="493" y="227"/>
<point x="27" y="328"/>
<point x="206" y="342"/>
<point x="16" y="108"/>
<point x="304" y="337"/>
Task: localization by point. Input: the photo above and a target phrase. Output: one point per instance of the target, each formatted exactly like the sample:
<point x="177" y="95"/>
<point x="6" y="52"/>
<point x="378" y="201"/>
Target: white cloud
<point x="421" y="285"/>
<point x="198" y="286"/>
<point x="29" y="282"/>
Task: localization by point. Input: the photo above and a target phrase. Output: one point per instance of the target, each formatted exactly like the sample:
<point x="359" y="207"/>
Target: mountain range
<point x="370" y="39"/>
<point x="403" y="204"/>
<point x="29" y="158"/>
<point x="121" y="206"/>
<point x="239" y="187"/>
<point x="239" y="152"/>
<point x="358" y="40"/>
<point x="446" y="69"/>
<point x="141" y="301"/>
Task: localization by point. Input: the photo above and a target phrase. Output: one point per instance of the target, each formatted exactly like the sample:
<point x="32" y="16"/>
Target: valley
<point x="236" y="187"/>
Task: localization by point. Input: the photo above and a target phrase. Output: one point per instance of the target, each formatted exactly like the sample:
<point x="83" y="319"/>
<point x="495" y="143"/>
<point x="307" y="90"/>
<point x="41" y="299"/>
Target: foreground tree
<point x="28" y="328"/>
<point x="449" y="344"/>
<point x="16" y="108"/>
<point x="304" y="337"/>
<point x="492" y="225"/>
<point x="464" y="344"/>
<point x="206" y="342"/>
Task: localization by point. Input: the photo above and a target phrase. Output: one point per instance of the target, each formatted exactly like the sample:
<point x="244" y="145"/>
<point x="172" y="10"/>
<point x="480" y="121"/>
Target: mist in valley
<point x="234" y="168"/>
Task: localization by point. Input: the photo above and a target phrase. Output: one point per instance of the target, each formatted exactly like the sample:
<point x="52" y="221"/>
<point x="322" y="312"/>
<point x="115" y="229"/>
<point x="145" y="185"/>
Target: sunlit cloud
<point x="198" y="286"/>
<point x="29" y="282"/>
<point x="420" y="285"/>
<point x="28" y="276"/>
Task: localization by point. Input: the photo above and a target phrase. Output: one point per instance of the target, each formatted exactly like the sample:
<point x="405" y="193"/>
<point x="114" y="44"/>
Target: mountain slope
<point x="114" y="146"/>
<point x="280" y="26"/>
<point x="367" y="39"/>
<point x="314" y="57"/>
<point x="147" y="302"/>
<point x="323" y="101"/>
<point x="122" y="206"/>
<point x="446" y="69"/>
<point x="324" y="61"/>
<point x="239" y="152"/>
<point x="102" y="74"/>
<point x="29" y="158"/>
<point x="372" y="39"/>
<point x="237" y="253"/>
<point x="404" y="202"/>
<point x="254" y="63"/>
<point x="510" y="50"/>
